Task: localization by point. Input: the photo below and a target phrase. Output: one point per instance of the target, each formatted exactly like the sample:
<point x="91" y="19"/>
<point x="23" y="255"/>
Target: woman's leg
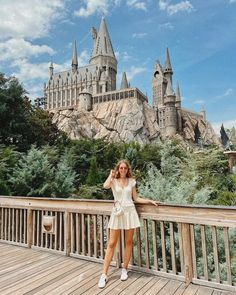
<point x="128" y="246"/>
<point x="114" y="235"/>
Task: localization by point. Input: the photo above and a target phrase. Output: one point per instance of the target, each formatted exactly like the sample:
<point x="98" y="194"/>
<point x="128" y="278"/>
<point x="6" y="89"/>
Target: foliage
<point x="93" y="177"/>
<point x="63" y="180"/>
<point x="21" y="124"/>
<point x="4" y="189"/>
<point x="33" y="175"/>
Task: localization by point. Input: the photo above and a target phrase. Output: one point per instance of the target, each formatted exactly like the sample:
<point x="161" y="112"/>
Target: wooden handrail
<point x="171" y="240"/>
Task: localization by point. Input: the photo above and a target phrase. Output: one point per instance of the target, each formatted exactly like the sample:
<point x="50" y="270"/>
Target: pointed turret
<point x="74" y="62"/>
<point x="203" y="113"/>
<point x="169" y="90"/>
<point x="102" y="44"/>
<point x="178" y="97"/>
<point x="167" y="66"/>
<point x="51" y="70"/>
<point x="124" y="82"/>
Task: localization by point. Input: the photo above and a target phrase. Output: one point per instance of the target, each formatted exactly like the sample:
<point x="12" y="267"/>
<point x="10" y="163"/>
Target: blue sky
<point x="200" y="35"/>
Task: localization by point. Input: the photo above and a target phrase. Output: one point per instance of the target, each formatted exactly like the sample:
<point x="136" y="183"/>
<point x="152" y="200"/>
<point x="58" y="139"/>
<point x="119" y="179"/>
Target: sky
<point x="200" y="35"/>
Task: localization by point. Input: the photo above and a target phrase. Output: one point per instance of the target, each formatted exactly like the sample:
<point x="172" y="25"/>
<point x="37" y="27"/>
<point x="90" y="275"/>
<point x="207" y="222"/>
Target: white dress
<point x="130" y="217"/>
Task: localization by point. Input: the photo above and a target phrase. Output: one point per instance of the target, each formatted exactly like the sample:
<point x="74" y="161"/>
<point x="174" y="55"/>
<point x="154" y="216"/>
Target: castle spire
<point x="102" y="44"/>
<point x="169" y="90"/>
<point x="51" y="70"/>
<point x="167" y="66"/>
<point x="124" y="82"/>
<point x="178" y="97"/>
<point x="74" y="62"/>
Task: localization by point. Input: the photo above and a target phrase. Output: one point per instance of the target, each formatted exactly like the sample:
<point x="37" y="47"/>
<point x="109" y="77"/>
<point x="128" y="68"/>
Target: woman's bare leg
<point x="114" y="235"/>
<point x="128" y="246"/>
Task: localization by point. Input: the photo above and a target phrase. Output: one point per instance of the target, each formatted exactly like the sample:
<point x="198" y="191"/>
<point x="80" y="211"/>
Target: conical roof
<point x="74" y="56"/>
<point x="124" y="82"/>
<point x="178" y="97"/>
<point x="102" y="45"/>
<point x="167" y="66"/>
<point x="169" y="89"/>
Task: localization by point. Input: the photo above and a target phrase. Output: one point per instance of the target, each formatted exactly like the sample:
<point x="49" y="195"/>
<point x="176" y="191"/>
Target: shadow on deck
<point x="28" y="271"/>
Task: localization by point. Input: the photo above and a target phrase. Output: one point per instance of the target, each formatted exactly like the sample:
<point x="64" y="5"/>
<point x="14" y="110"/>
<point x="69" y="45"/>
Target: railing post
<point x="187" y="250"/>
<point x="29" y="227"/>
<point x="67" y="234"/>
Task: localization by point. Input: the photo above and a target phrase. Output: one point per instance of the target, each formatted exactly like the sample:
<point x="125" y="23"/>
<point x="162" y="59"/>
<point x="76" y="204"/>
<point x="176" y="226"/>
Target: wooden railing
<point x="189" y="243"/>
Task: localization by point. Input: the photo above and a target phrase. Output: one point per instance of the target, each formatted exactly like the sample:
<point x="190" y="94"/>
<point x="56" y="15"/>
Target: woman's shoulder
<point x="132" y="181"/>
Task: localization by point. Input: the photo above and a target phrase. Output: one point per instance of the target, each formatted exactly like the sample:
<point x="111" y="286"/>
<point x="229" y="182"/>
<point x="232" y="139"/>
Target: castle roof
<point x="124" y="82"/>
<point x="74" y="56"/>
<point x="102" y="44"/>
<point x="169" y="89"/>
<point x="167" y="66"/>
<point x="178" y="97"/>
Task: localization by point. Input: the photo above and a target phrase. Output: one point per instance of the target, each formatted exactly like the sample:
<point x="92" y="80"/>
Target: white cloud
<point x="139" y="35"/>
<point x="199" y="101"/>
<point x="175" y="8"/>
<point x="29" y="18"/>
<point x="227" y="125"/>
<point x="232" y="1"/>
<point x="133" y="71"/>
<point x="228" y="92"/>
<point x="93" y="6"/>
<point x="19" y="48"/>
<point x="137" y="4"/>
<point x="167" y="26"/>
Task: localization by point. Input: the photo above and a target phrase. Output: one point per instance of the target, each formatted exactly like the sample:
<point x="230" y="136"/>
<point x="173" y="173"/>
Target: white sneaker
<point x="124" y="274"/>
<point x="102" y="281"/>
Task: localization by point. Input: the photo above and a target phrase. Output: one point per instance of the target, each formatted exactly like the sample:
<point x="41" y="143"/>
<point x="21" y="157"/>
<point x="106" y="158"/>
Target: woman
<point x="123" y="188"/>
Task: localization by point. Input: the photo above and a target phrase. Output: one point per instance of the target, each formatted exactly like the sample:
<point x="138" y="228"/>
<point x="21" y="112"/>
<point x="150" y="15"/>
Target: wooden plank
<point x="78" y="233"/>
<point x="157" y="286"/>
<point x="215" y="253"/>
<point x="170" y="287"/>
<point x="95" y="244"/>
<point x="204" y="252"/>
<point x="204" y="291"/>
<point x="138" y="240"/>
<point x="154" y="240"/>
<point x="56" y="232"/>
<point x="163" y="246"/>
<point x="83" y="233"/>
<point x="59" y="281"/>
<point x="101" y="237"/>
<point x="227" y="255"/>
<point x="136" y="286"/>
<point x="89" y="235"/>
<point x="188" y="262"/>
<point x="191" y="290"/>
<point x="192" y="233"/>
<point x="172" y="245"/>
<point x="146" y="245"/>
<point x="147" y="286"/>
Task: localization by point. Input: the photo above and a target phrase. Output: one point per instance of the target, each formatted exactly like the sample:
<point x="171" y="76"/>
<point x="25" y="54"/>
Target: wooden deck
<point x="30" y="271"/>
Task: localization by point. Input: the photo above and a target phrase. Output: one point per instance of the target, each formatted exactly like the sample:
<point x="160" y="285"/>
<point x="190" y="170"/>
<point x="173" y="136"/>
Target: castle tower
<point x="203" y="113"/>
<point x="167" y="67"/>
<point x="51" y="70"/>
<point x="124" y="82"/>
<point x="178" y="107"/>
<point x="74" y="62"/>
<point x="103" y="56"/>
<point x="85" y="101"/>
<point x="170" y="111"/>
<point x="158" y="86"/>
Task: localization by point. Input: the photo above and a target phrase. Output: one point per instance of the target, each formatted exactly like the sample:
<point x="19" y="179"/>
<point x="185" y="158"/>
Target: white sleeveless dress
<point x="130" y="217"/>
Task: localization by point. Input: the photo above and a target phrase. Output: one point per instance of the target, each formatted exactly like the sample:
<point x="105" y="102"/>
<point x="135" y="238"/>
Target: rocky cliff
<point x="123" y="120"/>
<point x="127" y="120"/>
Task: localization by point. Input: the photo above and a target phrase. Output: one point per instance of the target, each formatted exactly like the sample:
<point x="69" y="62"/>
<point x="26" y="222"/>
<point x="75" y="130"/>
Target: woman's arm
<point x="108" y="183"/>
<point x="139" y="200"/>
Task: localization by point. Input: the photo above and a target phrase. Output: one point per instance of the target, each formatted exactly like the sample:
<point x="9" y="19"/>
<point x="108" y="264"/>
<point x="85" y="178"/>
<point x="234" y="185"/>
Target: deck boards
<point x="28" y="271"/>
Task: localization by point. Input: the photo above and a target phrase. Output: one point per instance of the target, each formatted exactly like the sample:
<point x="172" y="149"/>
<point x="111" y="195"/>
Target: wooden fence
<point x="190" y="243"/>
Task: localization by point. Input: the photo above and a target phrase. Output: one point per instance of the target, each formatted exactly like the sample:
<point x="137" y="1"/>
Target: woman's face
<point x="123" y="169"/>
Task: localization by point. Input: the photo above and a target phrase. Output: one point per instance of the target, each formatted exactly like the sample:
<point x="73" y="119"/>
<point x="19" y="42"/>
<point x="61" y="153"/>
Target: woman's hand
<point x="155" y="203"/>
<point x="112" y="174"/>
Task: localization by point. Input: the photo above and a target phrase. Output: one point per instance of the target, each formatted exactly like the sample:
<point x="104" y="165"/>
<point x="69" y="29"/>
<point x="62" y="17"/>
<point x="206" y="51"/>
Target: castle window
<point x="121" y="95"/>
<point x="117" y="96"/>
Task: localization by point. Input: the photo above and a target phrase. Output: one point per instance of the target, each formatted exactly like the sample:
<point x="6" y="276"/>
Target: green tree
<point x="64" y="180"/>
<point x="33" y="176"/>
<point x="93" y="177"/>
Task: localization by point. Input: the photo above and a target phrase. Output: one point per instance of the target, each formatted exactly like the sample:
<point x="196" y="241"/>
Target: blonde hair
<point x="129" y="173"/>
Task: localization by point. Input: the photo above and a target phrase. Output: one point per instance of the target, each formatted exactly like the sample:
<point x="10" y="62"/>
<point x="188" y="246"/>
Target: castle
<point x="81" y="88"/>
